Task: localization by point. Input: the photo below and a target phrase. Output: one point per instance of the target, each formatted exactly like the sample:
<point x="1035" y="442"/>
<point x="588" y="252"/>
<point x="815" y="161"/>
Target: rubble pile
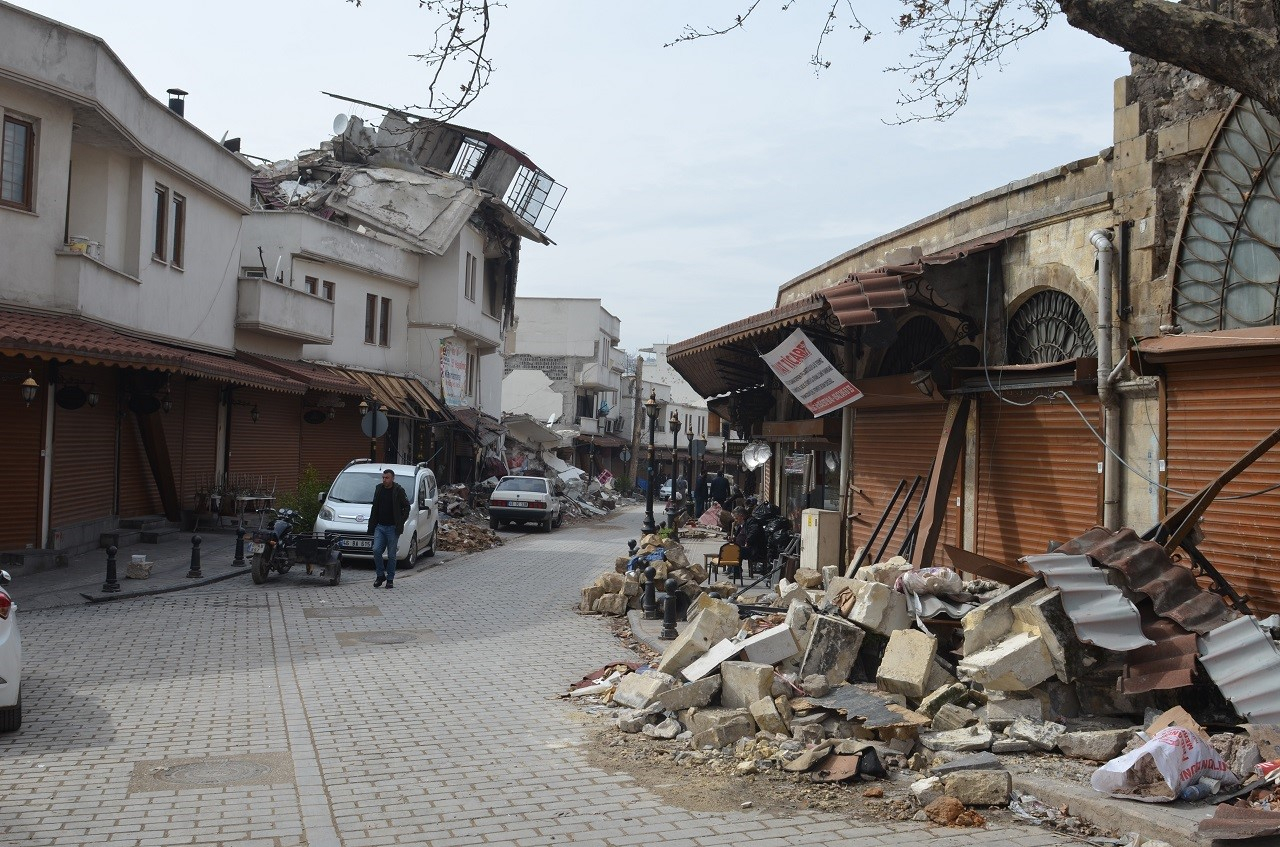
<point x="465" y="536"/>
<point x="455" y="501"/>
<point x="838" y="678"/>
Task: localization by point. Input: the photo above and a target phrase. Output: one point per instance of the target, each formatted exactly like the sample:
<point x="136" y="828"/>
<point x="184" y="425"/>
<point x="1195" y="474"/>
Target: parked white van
<point x="345" y="513"/>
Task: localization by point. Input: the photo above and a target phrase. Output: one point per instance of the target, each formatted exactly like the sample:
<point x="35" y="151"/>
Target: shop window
<point x="17" y="163"/>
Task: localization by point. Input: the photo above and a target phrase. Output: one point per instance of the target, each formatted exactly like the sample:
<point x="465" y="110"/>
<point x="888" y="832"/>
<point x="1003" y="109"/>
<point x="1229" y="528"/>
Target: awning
<point x="315" y="377"/>
<point x="403" y="393"/>
<point x="855" y="300"/>
<point x="76" y="340"/>
<point x="721" y="360"/>
<point x="1223" y="344"/>
<point x="601" y="440"/>
<point x="1081" y="371"/>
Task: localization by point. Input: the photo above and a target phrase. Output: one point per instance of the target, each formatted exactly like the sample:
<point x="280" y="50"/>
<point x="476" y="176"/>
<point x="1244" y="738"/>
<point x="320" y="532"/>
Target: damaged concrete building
<point x="1089" y="346"/>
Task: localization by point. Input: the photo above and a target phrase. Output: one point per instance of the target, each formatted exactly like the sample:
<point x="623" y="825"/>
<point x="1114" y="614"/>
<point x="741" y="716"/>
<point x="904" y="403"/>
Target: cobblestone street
<point x="300" y="714"/>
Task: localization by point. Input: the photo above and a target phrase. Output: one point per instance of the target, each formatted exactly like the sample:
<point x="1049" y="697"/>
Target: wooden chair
<point x="729" y="558"/>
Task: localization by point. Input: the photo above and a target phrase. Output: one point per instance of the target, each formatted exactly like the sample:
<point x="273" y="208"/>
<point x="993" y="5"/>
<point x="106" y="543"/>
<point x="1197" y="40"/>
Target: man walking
<point x="720" y="488"/>
<point x="386" y="521"/>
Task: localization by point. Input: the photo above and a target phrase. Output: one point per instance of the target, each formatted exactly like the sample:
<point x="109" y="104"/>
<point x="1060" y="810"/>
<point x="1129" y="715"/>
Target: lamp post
<point x="674" y="423"/>
<point x="697" y="448"/>
<point x="651" y="411"/>
<point x="365" y="409"/>
<point x="625" y="455"/>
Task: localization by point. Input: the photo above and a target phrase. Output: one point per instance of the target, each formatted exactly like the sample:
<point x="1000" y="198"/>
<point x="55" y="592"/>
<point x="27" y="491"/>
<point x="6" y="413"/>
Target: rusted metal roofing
<point x="312" y="375"/>
<point x="1149" y="571"/>
<point x="235" y="371"/>
<point x="1098" y="610"/>
<point x="77" y="340"/>
<point x="1244" y="663"/>
<point x="1239" y="822"/>
<point x="1227" y="343"/>
<point x="1167" y="664"/>
<point x="396" y="391"/>
<point x="713" y="365"/>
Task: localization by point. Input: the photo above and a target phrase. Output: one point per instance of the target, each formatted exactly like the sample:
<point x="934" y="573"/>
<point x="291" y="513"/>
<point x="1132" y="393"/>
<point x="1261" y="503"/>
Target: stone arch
<point x="919" y="338"/>
<point x="1049" y="326"/>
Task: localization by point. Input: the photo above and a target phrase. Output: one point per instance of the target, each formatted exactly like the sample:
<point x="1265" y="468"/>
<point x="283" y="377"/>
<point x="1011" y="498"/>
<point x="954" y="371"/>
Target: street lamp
<point x="674" y="511"/>
<point x="651" y="410"/>
<point x="365" y="408"/>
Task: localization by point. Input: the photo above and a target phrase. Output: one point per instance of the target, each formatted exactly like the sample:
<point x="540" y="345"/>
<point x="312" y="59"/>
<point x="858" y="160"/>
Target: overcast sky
<point x="700" y="177"/>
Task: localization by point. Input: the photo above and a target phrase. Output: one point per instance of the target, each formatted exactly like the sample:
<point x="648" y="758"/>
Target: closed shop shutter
<point x="1216" y="412"/>
<point x="138" y="493"/>
<point x="84" y="457"/>
<point x="191" y="432"/>
<point x="20" y="455"/>
<point x="265" y="453"/>
<point x="1038" y="477"/>
<point x="330" y="445"/>
<point x="890" y="445"/>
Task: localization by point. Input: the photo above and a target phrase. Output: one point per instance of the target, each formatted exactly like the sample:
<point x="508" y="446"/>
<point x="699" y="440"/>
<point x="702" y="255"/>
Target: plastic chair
<point x="729" y="558"/>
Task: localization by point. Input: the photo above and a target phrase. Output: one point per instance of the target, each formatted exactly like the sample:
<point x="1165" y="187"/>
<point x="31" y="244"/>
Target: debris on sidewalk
<point x="464" y="536"/>
<point x="951" y="685"/>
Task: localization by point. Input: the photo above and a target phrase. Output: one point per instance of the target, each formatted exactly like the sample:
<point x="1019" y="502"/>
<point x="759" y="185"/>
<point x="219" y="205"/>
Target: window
<point x="159" y="248"/>
<point x="370" y="318"/>
<point x="179" y="230"/>
<point x="312" y="284"/>
<point x="471" y="374"/>
<point x="330" y="291"/>
<point x="469" y="289"/>
<point x="17" y="163"/>
<point x="586" y="406"/>
<point x="384" y="323"/>
<point x="492" y="287"/>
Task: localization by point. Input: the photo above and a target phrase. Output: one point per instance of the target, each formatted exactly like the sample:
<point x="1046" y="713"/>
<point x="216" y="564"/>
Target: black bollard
<point x="669" y="611"/>
<point x="650" y="603"/>
<point x="631" y="547"/>
<point x="112" y="584"/>
<point x="238" y="561"/>
<point x="194" y="573"/>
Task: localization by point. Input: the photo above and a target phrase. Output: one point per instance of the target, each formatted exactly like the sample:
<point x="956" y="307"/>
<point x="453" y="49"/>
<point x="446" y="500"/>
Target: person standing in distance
<point x="720" y="488"/>
<point x="386" y="521"/>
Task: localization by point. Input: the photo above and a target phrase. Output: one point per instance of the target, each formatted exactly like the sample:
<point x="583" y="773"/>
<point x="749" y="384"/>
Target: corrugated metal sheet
<point x="1244" y="663"/>
<point x="1239" y="534"/>
<point x="1167" y="664"/>
<point x="1038" y="476"/>
<point x="1239" y="822"/>
<point x="1149" y="571"/>
<point x="1100" y="612"/>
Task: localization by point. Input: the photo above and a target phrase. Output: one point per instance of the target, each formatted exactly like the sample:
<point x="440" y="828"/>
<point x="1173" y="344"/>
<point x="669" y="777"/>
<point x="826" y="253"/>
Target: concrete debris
<point x="833" y="648"/>
<point x="743" y="683"/>
<point x="976" y="761"/>
<point x="907" y="663"/>
<point x="1017" y="663"/>
<point x="463" y="536"/>
<point x="970" y="739"/>
<point x="979" y="787"/>
<point x="1096" y="746"/>
<point x="951" y="716"/>
<point x="639" y="690"/>
<point x="1042" y="735"/>
<point x="691" y="695"/>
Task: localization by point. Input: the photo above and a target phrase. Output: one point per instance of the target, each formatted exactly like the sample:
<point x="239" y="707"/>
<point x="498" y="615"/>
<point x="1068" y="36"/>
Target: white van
<point x="345" y="510"/>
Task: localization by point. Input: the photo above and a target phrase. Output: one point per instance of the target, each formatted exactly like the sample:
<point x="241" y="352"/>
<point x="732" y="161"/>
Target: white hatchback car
<point x="345" y="511"/>
<point x="10" y="661"/>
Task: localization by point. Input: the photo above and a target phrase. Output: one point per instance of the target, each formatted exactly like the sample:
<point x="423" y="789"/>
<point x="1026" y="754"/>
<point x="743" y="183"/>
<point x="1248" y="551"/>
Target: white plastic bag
<point x="1180" y="758"/>
<point x="933" y="581"/>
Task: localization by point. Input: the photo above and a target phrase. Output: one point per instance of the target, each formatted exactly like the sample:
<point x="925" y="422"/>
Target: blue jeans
<point x="385" y="538"/>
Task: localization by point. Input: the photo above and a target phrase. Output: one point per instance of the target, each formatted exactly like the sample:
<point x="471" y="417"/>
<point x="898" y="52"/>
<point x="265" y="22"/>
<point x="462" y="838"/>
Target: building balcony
<point x="271" y="308"/>
<point x="588" y="426"/>
<point x="597" y="377"/>
<point x="87" y="285"/>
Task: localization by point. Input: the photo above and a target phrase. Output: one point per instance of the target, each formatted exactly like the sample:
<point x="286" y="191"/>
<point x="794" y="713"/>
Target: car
<point x="664" y="492"/>
<point x="344" y="513"/>
<point x="525" y="499"/>
<point x="10" y="661"/>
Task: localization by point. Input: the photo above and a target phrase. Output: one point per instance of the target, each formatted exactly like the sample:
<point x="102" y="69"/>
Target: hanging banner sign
<point x="809" y="376"/>
<point x="453" y="372"/>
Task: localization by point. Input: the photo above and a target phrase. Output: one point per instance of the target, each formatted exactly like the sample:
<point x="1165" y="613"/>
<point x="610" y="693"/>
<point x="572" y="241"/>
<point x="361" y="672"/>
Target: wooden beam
<point x="936" y="499"/>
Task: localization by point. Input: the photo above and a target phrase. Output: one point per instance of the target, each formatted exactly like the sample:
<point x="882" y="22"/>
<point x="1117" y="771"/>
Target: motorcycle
<point x="279" y="546"/>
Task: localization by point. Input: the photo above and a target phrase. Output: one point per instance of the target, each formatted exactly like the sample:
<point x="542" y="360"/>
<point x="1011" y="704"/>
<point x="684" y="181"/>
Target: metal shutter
<point x="23" y="430"/>
<point x="84" y="458"/>
<point x="1038" y="477"/>
<point x="330" y="445"/>
<point x="1216" y="412"/>
<point x="192" y="433"/>
<point x="266" y="452"/>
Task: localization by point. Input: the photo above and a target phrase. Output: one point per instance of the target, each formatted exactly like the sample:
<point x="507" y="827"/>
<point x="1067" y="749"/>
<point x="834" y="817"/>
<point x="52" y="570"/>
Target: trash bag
<point x="934" y="581"/>
<point x="1158" y="771"/>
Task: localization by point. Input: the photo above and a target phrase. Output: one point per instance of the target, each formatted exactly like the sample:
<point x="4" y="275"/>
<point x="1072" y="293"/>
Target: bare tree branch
<point x="692" y="33"/>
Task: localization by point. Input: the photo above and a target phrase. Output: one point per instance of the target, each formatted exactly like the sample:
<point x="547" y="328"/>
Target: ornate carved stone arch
<point x="1226" y="272"/>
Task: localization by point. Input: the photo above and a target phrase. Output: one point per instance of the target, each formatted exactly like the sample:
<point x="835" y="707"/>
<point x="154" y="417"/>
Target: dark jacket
<point x="399" y="503"/>
<point x="720" y="489"/>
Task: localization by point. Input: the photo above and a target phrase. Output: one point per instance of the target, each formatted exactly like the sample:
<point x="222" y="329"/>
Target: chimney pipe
<point x="176" y="104"/>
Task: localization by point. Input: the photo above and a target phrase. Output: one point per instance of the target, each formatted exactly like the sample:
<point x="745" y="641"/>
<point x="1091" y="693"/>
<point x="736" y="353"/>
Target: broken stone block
<point x="634" y="720"/>
<point x="783" y="705"/>
<point x="950" y="716"/>
<point x="1018" y="663"/>
<point x="1043" y="614"/>
<point x="743" y="683"/>
<point x="833" y="648"/>
<point x="879" y="608"/>
<point x="765" y="713"/>
<point x="675" y="553"/>
<point x="998" y="713"/>
<point x="611" y="604"/>
<point x="939" y="677"/>
<point x="972" y="762"/>
<point x="1240" y="752"/>
<point x="886" y="572"/>
<point x="798" y="614"/>
<point x="1041" y="734"/>
<point x="709" y="661"/>
<point x="716" y="621"/>
<point x="720" y="727"/>
<point x="810" y="733"/>
<point x="926" y="790"/>
<point x="993" y="620"/>
<point x="979" y="787"/>
<point x="907" y="663"/>
<point x="829" y="573"/>
<point x="621" y="564"/>
<point x="666" y="730"/>
<point x="691" y="695"/>
<point x="1011" y="745"/>
<point x="590" y="595"/>
<point x="816" y="685"/>
<point x="771" y="646"/>
<point x="610" y="582"/>
<point x="939" y="697"/>
<point x="631" y="584"/>
<point x="788" y="591"/>
<point x="808" y="578"/>
<point x="1096" y="746"/>
<point x="841" y="594"/>
<point x="971" y="739"/>
<point x="639" y="690"/>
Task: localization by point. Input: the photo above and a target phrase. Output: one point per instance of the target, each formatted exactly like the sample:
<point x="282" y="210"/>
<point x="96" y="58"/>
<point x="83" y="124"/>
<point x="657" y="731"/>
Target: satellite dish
<point x="340" y="123"/>
<point x="553" y="418"/>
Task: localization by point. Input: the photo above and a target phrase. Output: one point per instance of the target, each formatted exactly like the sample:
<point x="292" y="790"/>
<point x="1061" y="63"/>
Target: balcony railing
<point x="274" y="309"/>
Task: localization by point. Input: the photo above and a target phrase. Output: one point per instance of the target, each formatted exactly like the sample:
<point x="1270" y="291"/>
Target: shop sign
<point x="808" y="375"/>
<point x="453" y="372"/>
<point x="795" y="464"/>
